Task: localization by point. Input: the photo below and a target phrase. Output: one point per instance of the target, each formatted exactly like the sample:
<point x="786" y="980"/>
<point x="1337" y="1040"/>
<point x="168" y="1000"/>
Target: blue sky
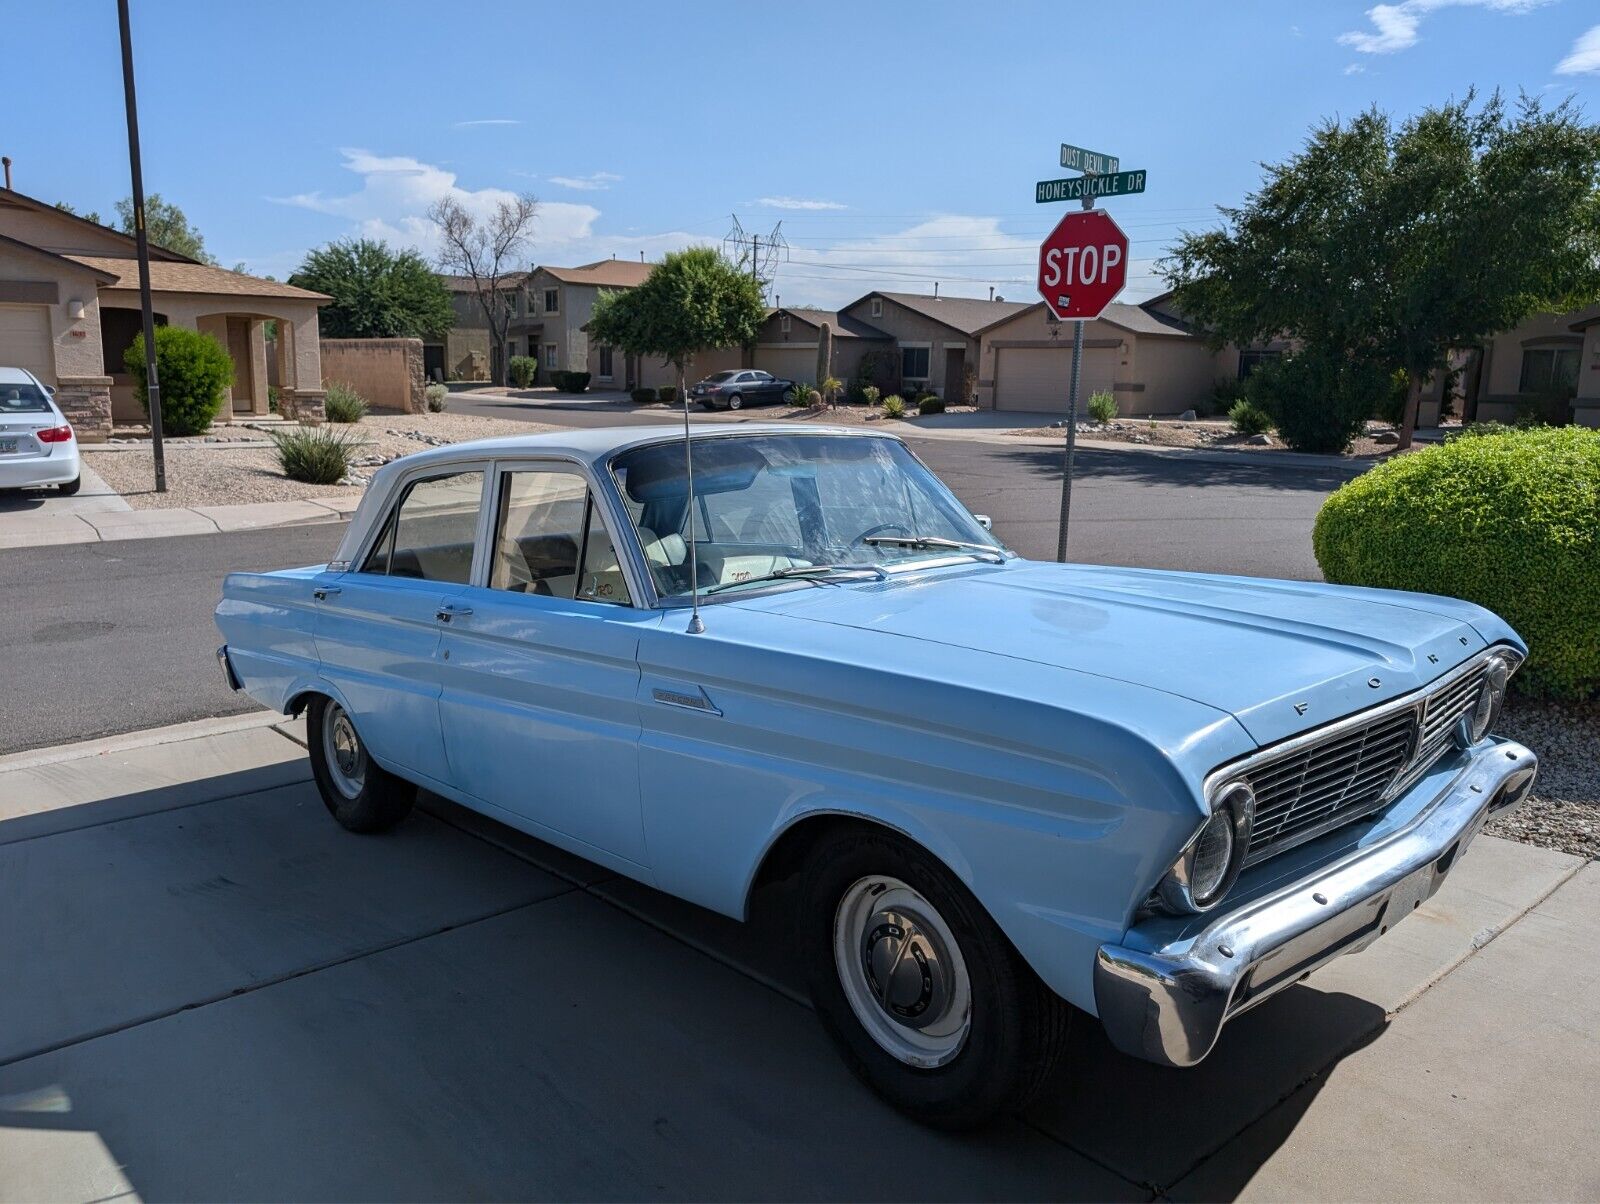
<point x="898" y="143"/>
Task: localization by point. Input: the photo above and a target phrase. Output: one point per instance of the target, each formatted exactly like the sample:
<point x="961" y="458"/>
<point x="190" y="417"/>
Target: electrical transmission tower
<point x="759" y="254"/>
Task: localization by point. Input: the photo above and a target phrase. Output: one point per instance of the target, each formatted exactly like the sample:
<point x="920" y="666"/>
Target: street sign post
<point x="1078" y="188"/>
<point x="1077" y="158"/>
<point x="1083" y="265"/>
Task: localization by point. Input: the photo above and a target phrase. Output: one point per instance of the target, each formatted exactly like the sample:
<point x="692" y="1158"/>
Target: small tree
<point x="484" y="251"/>
<point x="378" y="293"/>
<point x="166" y="226"/>
<point x="695" y="299"/>
<point x="194" y="371"/>
<point x="1395" y="243"/>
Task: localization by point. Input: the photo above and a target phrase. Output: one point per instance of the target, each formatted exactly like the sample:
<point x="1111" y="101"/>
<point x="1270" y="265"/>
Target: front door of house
<point x="239" y="351"/>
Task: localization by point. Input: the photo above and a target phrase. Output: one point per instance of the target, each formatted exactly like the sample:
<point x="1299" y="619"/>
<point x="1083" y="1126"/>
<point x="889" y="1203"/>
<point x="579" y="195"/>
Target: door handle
<point x="447" y="612"/>
<point x="323" y="592"/>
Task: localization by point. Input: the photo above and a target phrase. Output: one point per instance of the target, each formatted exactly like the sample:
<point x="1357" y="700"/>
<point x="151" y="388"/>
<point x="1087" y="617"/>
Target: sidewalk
<point x="214" y="992"/>
<point x="24" y="528"/>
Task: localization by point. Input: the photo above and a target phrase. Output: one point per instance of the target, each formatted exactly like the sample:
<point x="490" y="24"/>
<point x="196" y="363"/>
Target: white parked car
<point x="37" y="446"/>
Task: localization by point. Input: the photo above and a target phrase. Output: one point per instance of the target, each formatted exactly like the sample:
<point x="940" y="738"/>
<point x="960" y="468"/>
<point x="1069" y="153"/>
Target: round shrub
<point x="644" y="397"/>
<point x="1318" y="402"/>
<point x="522" y="369"/>
<point x="435" y="396"/>
<point x="930" y="403"/>
<point x="1509" y="521"/>
<point x="344" y="404"/>
<point x="194" y="371"/>
<point x="666" y="393"/>
<point x="1249" y="418"/>
<point x="1102" y="407"/>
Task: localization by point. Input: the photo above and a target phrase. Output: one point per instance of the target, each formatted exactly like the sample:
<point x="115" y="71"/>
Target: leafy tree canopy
<point x="378" y="293"/>
<point x="166" y="226"/>
<point x="695" y="299"/>
<point x="1397" y="242"/>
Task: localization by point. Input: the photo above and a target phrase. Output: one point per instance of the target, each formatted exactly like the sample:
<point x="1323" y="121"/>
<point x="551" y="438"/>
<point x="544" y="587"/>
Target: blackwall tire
<point x="358" y="792"/>
<point x="871" y="900"/>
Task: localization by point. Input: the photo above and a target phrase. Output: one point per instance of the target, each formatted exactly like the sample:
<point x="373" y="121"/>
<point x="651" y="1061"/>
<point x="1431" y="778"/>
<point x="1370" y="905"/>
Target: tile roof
<point x="607" y="273"/>
<point x="169" y="277"/>
<point x="8" y="241"/>
<point x="465" y="284"/>
<point x="844" y="326"/>
<point x="1136" y="318"/>
<point x="966" y="314"/>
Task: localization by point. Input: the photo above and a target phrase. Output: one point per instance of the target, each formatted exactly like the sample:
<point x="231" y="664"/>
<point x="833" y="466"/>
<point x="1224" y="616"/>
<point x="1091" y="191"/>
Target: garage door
<point x="25" y="340"/>
<point x="797" y="364"/>
<point x="1036" y="378"/>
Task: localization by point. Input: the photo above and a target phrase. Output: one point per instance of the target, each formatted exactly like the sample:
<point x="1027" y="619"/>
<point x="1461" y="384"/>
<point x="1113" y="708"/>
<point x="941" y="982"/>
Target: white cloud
<point x="794" y="202"/>
<point x="1584" y="57"/>
<point x="461" y="125"/>
<point x="597" y="181"/>
<point x="1354" y="69"/>
<point x="1396" y="27"/>
<point x="397" y="190"/>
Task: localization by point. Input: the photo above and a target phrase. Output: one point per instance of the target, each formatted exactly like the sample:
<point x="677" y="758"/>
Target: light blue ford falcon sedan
<point x="1012" y="793"/>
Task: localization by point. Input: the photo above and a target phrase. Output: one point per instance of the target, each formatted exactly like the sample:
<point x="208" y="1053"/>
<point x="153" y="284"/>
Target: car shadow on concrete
<point x="229" y="997"/>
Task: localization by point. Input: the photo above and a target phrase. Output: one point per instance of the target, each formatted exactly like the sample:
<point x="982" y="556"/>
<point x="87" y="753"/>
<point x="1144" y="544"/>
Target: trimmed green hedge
<point x="523" y="370"/>
<point x="1510" y="521"/>
<point x="570" y="382"/>
<point x="193" y="370"/>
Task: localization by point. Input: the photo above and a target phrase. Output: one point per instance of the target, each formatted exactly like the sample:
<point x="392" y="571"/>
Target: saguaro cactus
<point x="824" y="353"/>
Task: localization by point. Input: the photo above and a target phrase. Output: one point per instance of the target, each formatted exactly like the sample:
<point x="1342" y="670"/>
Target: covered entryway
<point x="25" y="340"/>
<point x="1037" y="378"/>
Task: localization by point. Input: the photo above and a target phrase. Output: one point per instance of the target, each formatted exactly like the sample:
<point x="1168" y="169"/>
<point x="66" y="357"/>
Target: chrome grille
<point x="1444" y="710"/>
<point x="1315" y="788"/>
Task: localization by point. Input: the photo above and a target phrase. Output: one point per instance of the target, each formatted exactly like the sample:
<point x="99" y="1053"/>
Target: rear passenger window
<point x="551" y="540"/>
<point x="430" y="535"/>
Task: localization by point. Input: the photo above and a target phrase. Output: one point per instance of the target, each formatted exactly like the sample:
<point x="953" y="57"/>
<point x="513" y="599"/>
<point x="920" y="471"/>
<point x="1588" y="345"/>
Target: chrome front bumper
<point x="1168" y="1004"/>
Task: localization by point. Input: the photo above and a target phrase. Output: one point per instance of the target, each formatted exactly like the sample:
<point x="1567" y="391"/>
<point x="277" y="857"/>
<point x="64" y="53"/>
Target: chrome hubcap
<point x="347" y="759"/>
<point x="902" y="972"/>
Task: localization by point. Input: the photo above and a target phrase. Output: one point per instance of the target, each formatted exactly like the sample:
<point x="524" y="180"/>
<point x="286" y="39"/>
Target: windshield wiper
<point x="935" y="541"/>
<point x="813" y="573"/>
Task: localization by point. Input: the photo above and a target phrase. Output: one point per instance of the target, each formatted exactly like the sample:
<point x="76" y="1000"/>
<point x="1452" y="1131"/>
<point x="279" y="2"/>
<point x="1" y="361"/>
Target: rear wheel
<point x="359" y="793"/>
<point x="920" y="990"/>
<point x="71" y="487"/>
<point x="736" y="402"/>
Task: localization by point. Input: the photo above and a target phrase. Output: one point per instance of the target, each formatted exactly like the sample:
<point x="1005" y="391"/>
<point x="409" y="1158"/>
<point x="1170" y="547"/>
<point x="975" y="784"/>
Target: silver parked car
<point x="37" y="446"/>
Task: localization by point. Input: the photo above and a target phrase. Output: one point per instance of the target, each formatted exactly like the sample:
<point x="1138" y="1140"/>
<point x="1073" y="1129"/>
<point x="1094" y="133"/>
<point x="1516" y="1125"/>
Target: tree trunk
<point x="1470" y="388"/>
<point x="1408" y="421"/>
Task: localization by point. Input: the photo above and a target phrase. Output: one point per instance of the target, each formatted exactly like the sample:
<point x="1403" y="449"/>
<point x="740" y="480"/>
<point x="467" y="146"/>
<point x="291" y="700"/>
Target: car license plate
<point x="8" y="447"/>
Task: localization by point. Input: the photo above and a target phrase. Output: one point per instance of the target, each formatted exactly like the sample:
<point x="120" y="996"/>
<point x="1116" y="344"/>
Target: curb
<point x="172" y="734"/>
<point x="112" y="525"/>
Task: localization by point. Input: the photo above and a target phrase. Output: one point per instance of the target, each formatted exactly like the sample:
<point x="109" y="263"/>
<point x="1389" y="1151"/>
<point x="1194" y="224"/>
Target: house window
<point x="914" y="363"/>
<point x="1249" y="361"/>
<point x="877" y="307"/>
<point x="605" y="363"/>
<point x="551" y="364"/>
<point x="552" y="301"/>
<point x="1550" y="371"/>
<point x="783" y="324"/>
<point x="511" y="348"/>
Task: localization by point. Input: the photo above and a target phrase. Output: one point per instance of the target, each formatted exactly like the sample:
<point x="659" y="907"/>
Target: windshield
<point x="23" y="399"/>
<point x="767" y="504"/>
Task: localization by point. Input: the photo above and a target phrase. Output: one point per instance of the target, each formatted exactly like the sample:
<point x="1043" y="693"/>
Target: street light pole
<point x="152" y="384"/>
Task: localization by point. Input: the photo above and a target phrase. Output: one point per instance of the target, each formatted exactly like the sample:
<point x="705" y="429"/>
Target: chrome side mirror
<point x="984" y="521"/>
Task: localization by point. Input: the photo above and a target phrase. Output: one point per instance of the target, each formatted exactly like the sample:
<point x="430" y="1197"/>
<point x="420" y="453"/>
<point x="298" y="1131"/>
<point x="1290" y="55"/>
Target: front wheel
<point x="920" y="990"/>
<point x="359" y="793"/>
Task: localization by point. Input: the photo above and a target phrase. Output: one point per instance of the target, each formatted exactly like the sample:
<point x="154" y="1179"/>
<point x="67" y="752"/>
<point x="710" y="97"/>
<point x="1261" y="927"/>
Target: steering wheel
<point x="880" y="529"/>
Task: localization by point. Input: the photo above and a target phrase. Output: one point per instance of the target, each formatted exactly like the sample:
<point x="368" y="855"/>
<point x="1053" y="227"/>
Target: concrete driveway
<point x="213" y="992"/>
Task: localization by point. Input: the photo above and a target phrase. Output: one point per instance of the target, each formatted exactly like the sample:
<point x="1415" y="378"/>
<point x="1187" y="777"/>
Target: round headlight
<point x="1491" y="696"/>
<point x="1207" y="868"/>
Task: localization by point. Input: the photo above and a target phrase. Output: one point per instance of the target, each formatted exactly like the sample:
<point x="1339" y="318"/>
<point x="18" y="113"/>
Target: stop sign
<point x="1083" y="265"/>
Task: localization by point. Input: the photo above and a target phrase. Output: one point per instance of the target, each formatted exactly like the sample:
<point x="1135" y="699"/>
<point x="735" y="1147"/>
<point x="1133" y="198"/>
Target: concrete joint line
<point x="148" y="738"/>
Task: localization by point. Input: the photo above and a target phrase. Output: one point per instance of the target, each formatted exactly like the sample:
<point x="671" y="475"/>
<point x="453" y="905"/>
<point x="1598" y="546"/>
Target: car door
<point x="539" y="701"/>
<point x="764" y="386"/>
<point x="377" y="626"/>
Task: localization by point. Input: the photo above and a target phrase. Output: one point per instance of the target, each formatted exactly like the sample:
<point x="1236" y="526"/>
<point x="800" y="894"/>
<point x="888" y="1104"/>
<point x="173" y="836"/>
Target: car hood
<point x="1280" y="656"/>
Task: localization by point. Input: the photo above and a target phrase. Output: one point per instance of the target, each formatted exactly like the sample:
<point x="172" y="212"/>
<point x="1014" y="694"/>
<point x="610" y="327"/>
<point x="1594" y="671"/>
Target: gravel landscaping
<point x="224" y="469"/>
<point x="1378" y="441"/>
<point x="1564" y="812"/>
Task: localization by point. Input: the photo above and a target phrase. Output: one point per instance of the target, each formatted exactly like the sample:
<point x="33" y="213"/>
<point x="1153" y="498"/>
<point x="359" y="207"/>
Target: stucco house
<point x="69" y="308"/>
<point x="1550" y="363"/>
<point x="936" y="337"/>
<point x="1145" y="356"/>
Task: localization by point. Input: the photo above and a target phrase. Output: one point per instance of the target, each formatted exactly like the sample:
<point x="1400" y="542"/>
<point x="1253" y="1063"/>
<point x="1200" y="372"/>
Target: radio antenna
<point x="696" y="626"/>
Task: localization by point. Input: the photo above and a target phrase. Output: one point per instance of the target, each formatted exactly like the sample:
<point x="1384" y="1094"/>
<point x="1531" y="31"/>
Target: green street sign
<point x="1091" y="163"/>
<point x="1076" y="188"/>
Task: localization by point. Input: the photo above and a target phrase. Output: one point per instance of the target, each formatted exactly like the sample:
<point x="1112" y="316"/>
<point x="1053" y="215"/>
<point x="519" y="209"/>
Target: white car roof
<point x="16" y="376"/>
<point x="593" y="447"/>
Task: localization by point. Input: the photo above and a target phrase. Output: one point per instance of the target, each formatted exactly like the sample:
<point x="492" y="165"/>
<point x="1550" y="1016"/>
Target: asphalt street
<point x="114" y="637"/>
